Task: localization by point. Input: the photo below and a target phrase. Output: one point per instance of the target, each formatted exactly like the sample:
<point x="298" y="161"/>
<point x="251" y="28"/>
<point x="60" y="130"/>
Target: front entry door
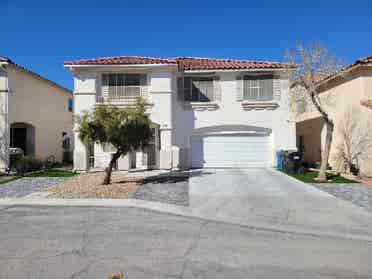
<point x="18" y="138"/>
<point x="153" y="149"/>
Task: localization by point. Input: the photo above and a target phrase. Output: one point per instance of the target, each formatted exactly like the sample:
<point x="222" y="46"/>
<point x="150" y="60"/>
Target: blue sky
<point x="42" y="34"/>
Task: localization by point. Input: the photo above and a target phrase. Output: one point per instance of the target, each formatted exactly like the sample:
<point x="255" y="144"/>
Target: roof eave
<point x="240" y="70"/>
<point x="36" y="75"/>
<point x="119" y="65"/>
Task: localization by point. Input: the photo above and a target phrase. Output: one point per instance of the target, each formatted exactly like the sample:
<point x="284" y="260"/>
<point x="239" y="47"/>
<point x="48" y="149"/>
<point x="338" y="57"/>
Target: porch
<point x="309" y="139"/>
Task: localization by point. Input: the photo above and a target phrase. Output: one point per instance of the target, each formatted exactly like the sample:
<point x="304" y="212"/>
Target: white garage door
<point x="230" y="151"/>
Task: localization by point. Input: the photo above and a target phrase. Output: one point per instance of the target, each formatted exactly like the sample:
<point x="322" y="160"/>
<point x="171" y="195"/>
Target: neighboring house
<point x="35" y="114"/>
<point x="205" y="112"/>
<point x="348" y="100"/>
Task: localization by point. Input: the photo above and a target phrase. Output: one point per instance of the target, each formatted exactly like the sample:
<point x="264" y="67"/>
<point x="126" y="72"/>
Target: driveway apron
<point x="267" y="197"/>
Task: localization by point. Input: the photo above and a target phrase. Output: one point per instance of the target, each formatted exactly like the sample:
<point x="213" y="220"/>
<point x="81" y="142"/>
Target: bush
<point x="49" y="162"/>
<point x="13" y="159"/>
<point x="27" y="164"/>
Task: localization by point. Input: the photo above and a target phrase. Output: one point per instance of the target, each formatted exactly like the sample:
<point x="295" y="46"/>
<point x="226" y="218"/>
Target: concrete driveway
<point x="265" y="197"/>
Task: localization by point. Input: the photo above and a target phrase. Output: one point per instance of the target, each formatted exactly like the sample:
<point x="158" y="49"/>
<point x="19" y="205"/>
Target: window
<point x="198" y="89"/>
<point x="70" y="104"/>
<point x="258" y="88"/>
<point x="123" y="85"/>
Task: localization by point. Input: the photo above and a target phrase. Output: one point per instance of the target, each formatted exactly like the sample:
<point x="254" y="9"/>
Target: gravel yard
<point x="27" y="185"/>
<point x="358" y="194"/>
<point x="160" y="187"/>
<point x="89" y="185"/>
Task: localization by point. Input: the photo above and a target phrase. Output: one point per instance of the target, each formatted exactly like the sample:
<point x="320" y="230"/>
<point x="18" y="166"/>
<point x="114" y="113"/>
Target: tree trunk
<point x="108" y="170"/>
<point x="325" y="154"/>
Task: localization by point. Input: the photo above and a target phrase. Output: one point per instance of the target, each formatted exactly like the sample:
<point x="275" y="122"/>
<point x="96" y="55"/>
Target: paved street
<point x="252" y="223"/>
<point x="87" y="242"/>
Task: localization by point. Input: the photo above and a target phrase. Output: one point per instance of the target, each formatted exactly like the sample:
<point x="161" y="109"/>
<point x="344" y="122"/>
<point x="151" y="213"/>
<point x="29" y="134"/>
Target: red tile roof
<point x="363" y="61"/>
<point x="185" y="63"/>
<point x="121" y="60"/>
<point x="192" y="63"/>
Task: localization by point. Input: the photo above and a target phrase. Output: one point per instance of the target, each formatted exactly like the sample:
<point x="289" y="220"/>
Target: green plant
<point x="310" y="177"/>
<point x="27" y="164"/>
<point x="124" y="129"/>
<point x="49" y="162"/>
<point x="53" y="173"/>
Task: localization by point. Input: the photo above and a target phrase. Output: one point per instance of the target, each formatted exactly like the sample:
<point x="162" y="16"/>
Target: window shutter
<point x="239" y="88"/>
<point x="276" y="89"/>
<point x="217" y="89"/>
<point x="180" y="89"/>
<point x="268" y="89"/>
<point x="105" y="85"/>
<point x="143" y="84"/>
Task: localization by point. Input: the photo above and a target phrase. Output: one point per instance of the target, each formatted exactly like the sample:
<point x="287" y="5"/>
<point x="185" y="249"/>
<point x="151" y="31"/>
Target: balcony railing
<point x="123" y="94"/>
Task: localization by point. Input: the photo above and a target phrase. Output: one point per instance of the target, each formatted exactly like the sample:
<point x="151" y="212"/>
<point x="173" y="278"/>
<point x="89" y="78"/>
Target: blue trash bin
<point x="279" y="159"/>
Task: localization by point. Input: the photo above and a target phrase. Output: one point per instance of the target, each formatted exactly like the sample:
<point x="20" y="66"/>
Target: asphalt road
<point x="87" y="242"/>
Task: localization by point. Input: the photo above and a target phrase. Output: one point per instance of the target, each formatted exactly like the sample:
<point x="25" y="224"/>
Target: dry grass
<point x="88" y="185"/>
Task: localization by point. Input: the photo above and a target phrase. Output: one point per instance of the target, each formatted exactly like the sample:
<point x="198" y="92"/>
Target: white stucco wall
<point x="176" y="123"/>
<point x="231" y="112"/>
<point x="85" y="84"/>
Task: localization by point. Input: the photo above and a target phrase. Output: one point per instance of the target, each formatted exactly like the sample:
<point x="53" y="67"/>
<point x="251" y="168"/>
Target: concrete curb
<point x="35" y="200"/>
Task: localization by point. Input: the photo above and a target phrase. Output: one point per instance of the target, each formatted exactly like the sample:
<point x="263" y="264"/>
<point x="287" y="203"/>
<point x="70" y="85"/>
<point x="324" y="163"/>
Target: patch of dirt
<point x="88" y="185"/>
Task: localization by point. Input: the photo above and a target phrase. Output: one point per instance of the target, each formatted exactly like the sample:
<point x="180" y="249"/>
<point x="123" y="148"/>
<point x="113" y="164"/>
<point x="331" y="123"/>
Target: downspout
<point x="6" y="113"/>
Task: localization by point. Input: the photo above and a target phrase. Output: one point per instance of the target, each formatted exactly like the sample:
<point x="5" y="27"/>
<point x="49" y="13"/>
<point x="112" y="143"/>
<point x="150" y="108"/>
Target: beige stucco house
<point x="35" y="114"/>
<point x="347" y="98"/>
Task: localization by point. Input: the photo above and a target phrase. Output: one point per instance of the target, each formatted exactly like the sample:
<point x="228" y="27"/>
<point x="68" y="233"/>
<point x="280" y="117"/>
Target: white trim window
<point x="123" y="85"/>
<point x="199" y="89"/>
<point x="257" y="88"/>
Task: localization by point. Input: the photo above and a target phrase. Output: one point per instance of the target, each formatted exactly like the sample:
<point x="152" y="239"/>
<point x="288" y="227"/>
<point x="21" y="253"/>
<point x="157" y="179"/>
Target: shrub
<point x="49" y="162"/>
<point x="27" y="164"/>
<point x="13" y="159"/>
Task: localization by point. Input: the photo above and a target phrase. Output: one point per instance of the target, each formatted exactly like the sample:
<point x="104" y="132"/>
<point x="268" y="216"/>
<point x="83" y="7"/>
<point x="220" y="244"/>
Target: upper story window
<point x="198" y="89"/>
<point x="258" y="87"/>
<point x="70" y="104"/>
<point x="120" y="85"/>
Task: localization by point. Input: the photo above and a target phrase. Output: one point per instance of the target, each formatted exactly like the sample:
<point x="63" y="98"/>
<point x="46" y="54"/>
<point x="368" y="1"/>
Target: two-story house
<point x="217" y="113"/>
<point x="35" y="114"/>
<point x="347" y="99"/>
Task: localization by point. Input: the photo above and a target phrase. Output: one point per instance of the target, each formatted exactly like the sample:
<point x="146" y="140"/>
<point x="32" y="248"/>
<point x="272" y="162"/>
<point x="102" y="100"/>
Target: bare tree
<point x="356" y="140"/>
<point x="314" y="64"/>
